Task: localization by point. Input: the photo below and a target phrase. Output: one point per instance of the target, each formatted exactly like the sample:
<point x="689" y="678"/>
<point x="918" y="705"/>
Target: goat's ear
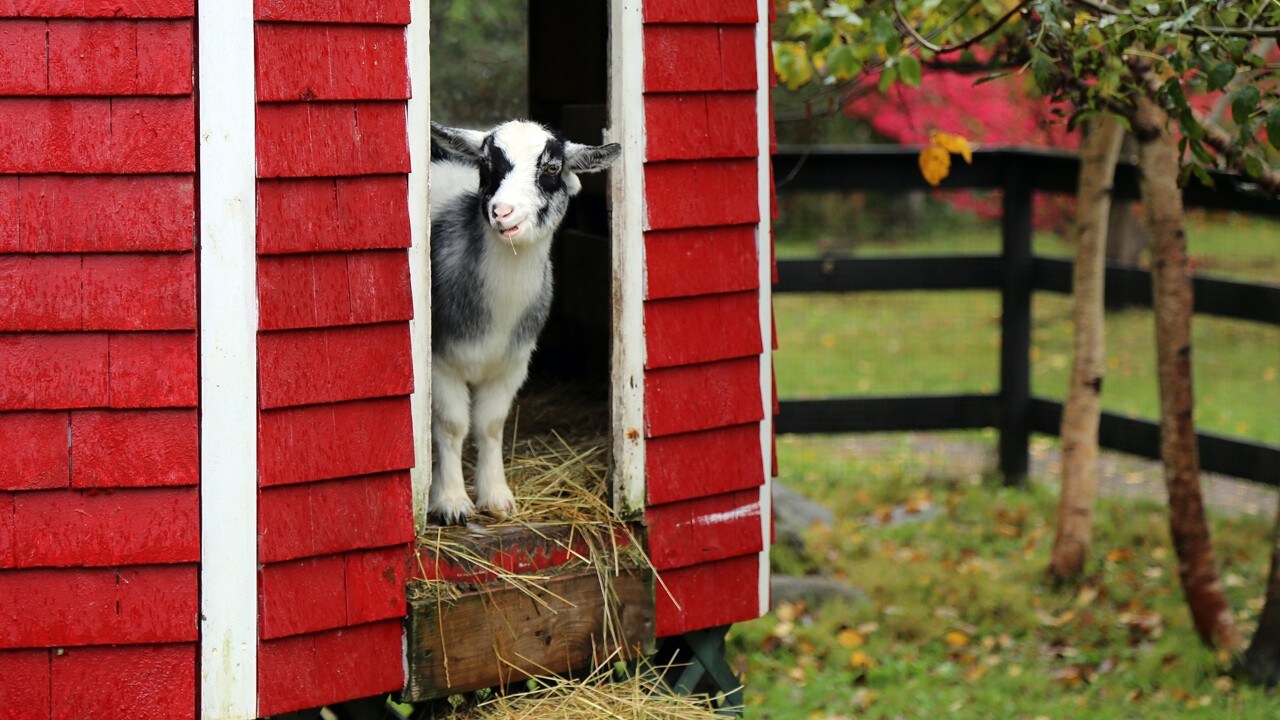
<point x="590" y="158"/>
<point x="463" y="142"/>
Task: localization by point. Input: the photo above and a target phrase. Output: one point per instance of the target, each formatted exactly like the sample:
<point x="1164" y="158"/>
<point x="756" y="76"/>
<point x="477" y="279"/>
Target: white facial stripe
<point x="524" y="144"/>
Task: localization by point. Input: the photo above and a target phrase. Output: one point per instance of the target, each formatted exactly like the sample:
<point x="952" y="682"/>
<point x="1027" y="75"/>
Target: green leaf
<point x="882" y="29"/>
<point x="1221" y="74"/>
<point x="842" y="63"/>
<point x="822" y="37"/>
<point x="1273" y="126"/>
<point x="888" y="77"/>
<point x="1202" y="175"/>
<point x="1253" y="166"/>
<point x="1045" y="71"/>
<point x="1243" y="102"/>
<point x="909" y="70"/>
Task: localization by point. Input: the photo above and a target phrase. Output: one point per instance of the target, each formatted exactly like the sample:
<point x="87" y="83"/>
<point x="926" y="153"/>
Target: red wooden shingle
<point x="724" y="259"/>
<point x="328" y="139"/>
<point x="703" y="193"/>
<point x="335" y="62"/>
<point x="54" y="607"/>
<point x="88" y="57"/>
<point x="147" y="682"/>
<point x="322" y="442"/>
<point x="22" y="55"/>
<point x="704" y="530"/>
<point x="684" y="331"/>
<point x="700" y="11"/>
<point x="101" y="214"/>
<point x="134" y="448"/>
<point x="332" y="289"/>
<point x="139" y="292"/>
<point x="287" y="675"/>
<point x="305" y="367"/>
<point x="10" y="215"/>
<point x="50" y="372"/>
<point x="97" y="8"/>
<point x="699" y="58"/>
<point x="34" y="452"/>
<point x="40" y="292"/>
<point x="82" y="135"/>
<point x="317" y="215"/>
<point x="302" y="596"/>
<point x="700" y="464"/>
<point x="312" y="670"/>
<point x="375" y="584"/>
<point x="684" y="604"/>
<point x="701" y="397"/>
<point x="153" y="370"/>
<point x="688" y="126"/>
<point x="389" y="12"/>
<point x="25" y="689"/>
<point x="6" y="531"/>
<point x="322" y="518"/>
<point x="68" y="528"/>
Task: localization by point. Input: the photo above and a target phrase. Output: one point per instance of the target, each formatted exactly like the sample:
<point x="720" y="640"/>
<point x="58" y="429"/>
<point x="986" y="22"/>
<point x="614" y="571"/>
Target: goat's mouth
<point x="511" y="232"/>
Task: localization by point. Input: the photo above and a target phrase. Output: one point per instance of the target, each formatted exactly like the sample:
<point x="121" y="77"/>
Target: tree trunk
<point x="1261" y="662"/>
<point x="1084" y="407"/>
<point x="1171" y="281"/>
<point x="1126" y="235"/>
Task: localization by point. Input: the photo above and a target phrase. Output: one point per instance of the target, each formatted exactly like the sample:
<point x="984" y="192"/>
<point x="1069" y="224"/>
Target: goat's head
<point x="527" y="174"/>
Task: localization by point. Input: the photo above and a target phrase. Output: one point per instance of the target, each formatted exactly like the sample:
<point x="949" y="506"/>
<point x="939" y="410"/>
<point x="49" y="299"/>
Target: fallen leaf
<point x="955" y="638"/>
<point x="850" y="638"/>
<point x="860" y="660"/>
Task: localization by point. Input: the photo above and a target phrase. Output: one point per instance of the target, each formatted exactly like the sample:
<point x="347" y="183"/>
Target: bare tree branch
<point x="925" y="43"/>
<point x="1254" y="31"/>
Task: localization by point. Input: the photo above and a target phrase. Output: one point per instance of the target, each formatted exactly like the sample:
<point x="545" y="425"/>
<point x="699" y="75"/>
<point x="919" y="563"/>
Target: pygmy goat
<point x="497" y="198"/>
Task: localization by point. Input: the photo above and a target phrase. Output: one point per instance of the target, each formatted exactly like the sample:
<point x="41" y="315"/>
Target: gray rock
<point x="794" y="515"/>
<point x="813" y="589"/>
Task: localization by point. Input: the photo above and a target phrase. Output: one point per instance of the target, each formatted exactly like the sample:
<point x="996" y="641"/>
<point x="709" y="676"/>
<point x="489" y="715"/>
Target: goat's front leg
<point x="450" y="413"/>
<point x="489" y="413"/>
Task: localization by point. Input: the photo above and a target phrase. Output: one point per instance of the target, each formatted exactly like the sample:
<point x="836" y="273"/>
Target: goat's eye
<point x="552" y="168"/>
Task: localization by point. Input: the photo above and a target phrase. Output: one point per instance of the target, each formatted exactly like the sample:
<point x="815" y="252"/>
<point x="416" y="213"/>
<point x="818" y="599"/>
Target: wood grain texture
<point x="23" y="56"/>
<point x="527" y="638"/>
<point x="153" y="370"/>
<point x="119" y="58"/>
<point x="333" y="289"/>
<point x="312" y="670"/>
<point x="59" y="213"/>
<point x="302" y="596"/>
<point x="25" y="690"/>
<point x="700" y="397"/>
<point x="147" y="682"/>
<point x="69" y="528"/>
<point x="514" y="549"/>
<point x="701" y="193"/>
<point x="134" y="448"/>
<point x="699" y="58"/>
<point x="92" y="135"/>
<point x="327" y="214"/>
<point x="97" y="8"/>
<point x="376" y="584"/>
<point x="685" y="331"/>
<point x="53" y="371"/>
<point x="725" y="259"/>
<point x="701" y="464"/>
<point x="322" y="518"/>
<point x="34" y="452"/>
<point x="330" y="62"/>
<point x="328" y="139"/>
<point x="324" y="442"/>
<point x="98" y="606"/>
<point x="389" y="12"/>
<point x="705" y="529"/>
<point x="6" y="530"/>
<point x="306" y="367"/>
<point x="683" y="603"/>
<point x="699" y="11"/>
<point x="690" y="126"/>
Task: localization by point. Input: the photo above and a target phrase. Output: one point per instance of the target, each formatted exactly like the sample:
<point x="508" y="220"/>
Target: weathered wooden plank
<point x="305" y="367"/>
<point x="376" y="583"/>
<point x="389" y="12"/>
<point x="312" y="519"/>
<point x="699" y="58"/>
<point x="705" y="529"/>
<point x="520" y="637"/>
<point x="700" y="397"/>
<point x="6" y="530"/>
<point x="684" y="331"/>
<point x="146" y="682"/>
<point x="683" y="603"/>
<point x="134" y="448"/>
<point x="701" y="464"/>
<point x="40" y="293"/>
<point x="55" y="213"/>
<point x="153" y="370"/>
<point x="328" y="139"/>
<point x="333" y="289"/>
<point x="307" y="671"/>
<point x="69" y="528"/>
<point x="701" y="193"/>
<point x="725" y="258"/>
<point x="22" y="55"/>
<point x="323" y="442"/>
<point x="97" y="8"/>
<point x="302" y="596"/>
<point x="97" y="135"/>
<point x="25" y="690"/>
<point x="330" y="62"/>
<point x="690" y="126"/>
<point x="50" y="372"/>
<point x="89" y="57"/>
<point x="320" y="215"/>
<point x="699" y="11"/>
<point x="514" y="549"/>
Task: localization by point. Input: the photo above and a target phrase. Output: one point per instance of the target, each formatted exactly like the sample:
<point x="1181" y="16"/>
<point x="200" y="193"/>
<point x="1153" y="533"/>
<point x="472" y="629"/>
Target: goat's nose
<point x="502" y="211"/>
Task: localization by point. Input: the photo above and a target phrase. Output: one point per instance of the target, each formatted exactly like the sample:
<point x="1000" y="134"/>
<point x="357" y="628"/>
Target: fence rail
<point x="1016" y="274"/>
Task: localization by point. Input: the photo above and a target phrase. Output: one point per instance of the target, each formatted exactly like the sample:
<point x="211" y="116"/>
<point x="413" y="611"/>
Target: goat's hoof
<point x="499" y="502"/>
<point x="452" y="513"/>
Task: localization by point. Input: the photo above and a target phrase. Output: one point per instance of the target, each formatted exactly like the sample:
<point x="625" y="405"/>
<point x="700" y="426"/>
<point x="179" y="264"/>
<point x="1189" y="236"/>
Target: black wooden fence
<point x="1016" y="273"/>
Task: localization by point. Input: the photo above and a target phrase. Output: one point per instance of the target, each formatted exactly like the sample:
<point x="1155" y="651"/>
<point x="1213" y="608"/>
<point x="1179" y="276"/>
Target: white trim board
<point x="763" y="246"/>
<point x="418" y="42"/>
<point x="228" y="363"/>
<point x="626" y="185"/>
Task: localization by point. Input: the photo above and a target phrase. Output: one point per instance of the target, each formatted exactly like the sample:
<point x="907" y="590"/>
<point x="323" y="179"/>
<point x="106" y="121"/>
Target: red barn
<point x="214" y="332"/>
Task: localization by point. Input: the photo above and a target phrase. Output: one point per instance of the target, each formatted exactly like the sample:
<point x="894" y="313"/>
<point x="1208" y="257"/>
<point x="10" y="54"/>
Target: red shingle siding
<point x="99" y="502"/>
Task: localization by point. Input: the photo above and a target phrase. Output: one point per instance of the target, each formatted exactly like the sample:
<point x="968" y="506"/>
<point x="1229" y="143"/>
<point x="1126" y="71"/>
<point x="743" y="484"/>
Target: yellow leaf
<point x="850" y="638"/>
<point x="955" y="638"/>
<point x="861" y="661"/>
<point x="957" y="144"/>
<point x="935" y="164"/>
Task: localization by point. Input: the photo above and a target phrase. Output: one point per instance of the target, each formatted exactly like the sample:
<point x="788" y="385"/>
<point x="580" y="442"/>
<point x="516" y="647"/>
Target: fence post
<point x="1015" y="322"/>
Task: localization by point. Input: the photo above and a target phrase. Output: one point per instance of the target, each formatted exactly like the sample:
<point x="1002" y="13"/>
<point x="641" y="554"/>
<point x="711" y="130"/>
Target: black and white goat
<point x="497" y="198"/>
